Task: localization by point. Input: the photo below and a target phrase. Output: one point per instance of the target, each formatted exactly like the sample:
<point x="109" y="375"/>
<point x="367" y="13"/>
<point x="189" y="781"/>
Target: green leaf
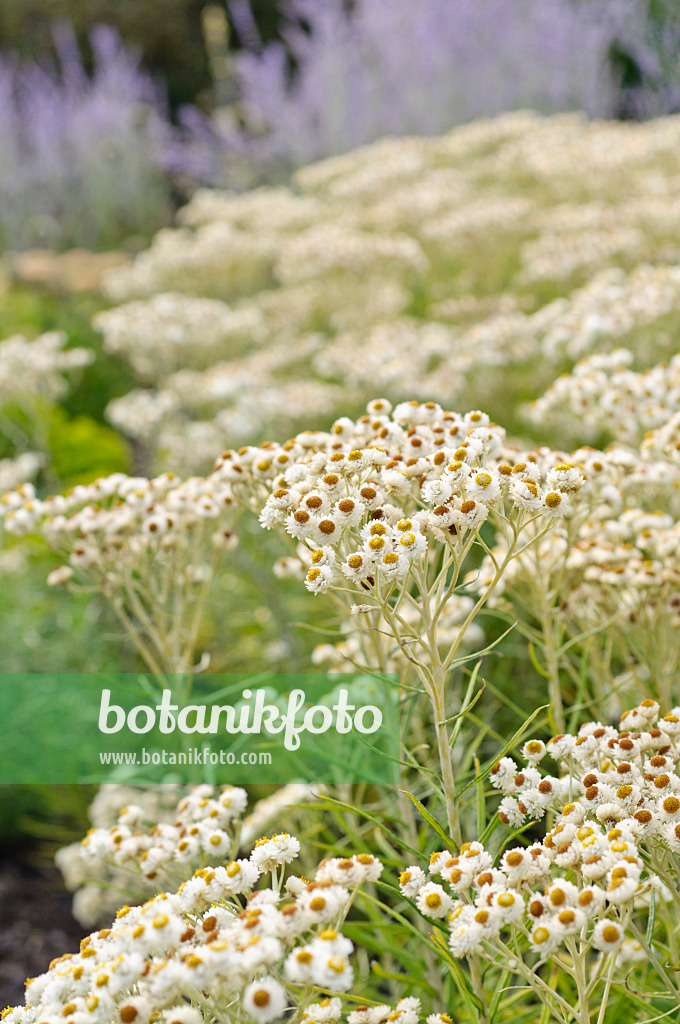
<point x="534" y="661"/>
<point x="82" y="450"/>
<point x="515" y="833"/>
<point x="508" y="747"/>
<point x="473" y="1003"/>
<point x="403" y="979"/>
<point x="429" y="818"/>
<point x="333" y="803"/>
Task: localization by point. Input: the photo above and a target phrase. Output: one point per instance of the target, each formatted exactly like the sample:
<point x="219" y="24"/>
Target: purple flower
<point x="400" y="67"/>
<point x="84" y="159"/>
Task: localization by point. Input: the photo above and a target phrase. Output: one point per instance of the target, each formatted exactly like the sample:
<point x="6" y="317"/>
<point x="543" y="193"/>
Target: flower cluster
<point x="220" y="941"/>
<point x="144" y="543"/>
<point x="558" y="256"/>
<point x="71" y="136"/>
<point x="92" y="520"/>
<point x="174" y="331"/>
<point x="30" y="370"/>
<point x="603" y="395"/>
<point x="377" y="492"/>
<point x="612" y="572"/>
<point x="525" y="893"/>
<point x="390" y="508"/>
<point x="224" y="391"/>
<point x="612" y="305"/>
<point x="634" y="773"/>
<point x="147" y="839"/>
<point x="378" y="270"/>
<point x="587" y="887"/>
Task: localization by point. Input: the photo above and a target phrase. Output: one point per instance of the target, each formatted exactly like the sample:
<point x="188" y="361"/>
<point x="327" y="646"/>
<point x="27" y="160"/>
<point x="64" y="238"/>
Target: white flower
<point x="183" y="1014"/>
<point x="622" y="882"/>
<point x="322" y="904"/>
<point x="564" y="477"/>
<point x="433" y="901"/>
<point x="393" y="565"/>
<point x="232" y="801"/>
<point x="502" y="775"/>
<point x="631" y="951"/>
<point x="238" y="876"/>
<point x="333" y="972"/>
<point x="554" y="503"/>
<point x="437" y="492"/>
<point x="412" y="543"/>
<point x="216" y="842"/>
<point x="561" y="893"/>
<point x="545" y="938"/>
<point x="509" y="904"/>
<point x="439" y="860"/>
<point x="535" y="802"/>
<point x="607" y="936"/>
<point x="509" y="812"/>
<point x="525" y="494"/>
<point x="533" y="751"/>
<point x="591" y="900"/>
<point x="570" y="920"/>
<point x="156" y="525"/>
<point x="319" y="579"/>
<point x="280" y="849"/>
<point x="349" y="511"/>
<point x="484" y="485"/>
<point x="465" y="934"/>
<point x="412" y="880"/>
<point x="299" y="965"/>
<point x="357" y="566"/>
<point x="325" y="1012"/>
<point x="300" y="523"/>
<point x="471" y="514"/>
<point x="264" y="1000"/>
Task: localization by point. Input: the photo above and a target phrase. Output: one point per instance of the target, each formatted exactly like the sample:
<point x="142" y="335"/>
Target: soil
<point x="36" y="924"/>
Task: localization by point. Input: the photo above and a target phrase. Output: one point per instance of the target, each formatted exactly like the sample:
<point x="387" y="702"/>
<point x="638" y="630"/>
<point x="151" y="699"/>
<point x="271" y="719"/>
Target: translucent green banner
<point x="67" y="728"/>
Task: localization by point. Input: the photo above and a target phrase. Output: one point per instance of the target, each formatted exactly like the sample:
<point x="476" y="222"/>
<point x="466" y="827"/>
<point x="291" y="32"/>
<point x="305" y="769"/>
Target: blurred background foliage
<point x="169" y="34"/>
